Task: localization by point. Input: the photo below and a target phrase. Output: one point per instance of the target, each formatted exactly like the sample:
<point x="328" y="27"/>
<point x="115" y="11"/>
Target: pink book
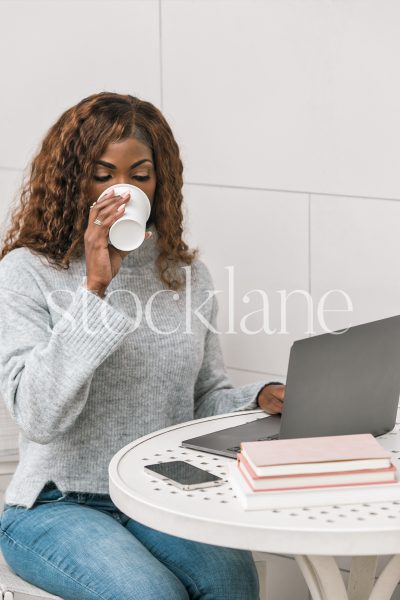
<point x="319" y="480"/>
<point x="323" y="496"/>
<point x="318" y="454"/>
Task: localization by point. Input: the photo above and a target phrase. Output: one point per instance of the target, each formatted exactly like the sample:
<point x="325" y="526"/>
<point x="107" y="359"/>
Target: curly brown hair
<point x="52" y="215"/>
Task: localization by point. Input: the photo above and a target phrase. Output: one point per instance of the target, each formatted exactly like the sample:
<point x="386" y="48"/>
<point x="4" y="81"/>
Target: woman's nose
<point x="120" y="179"/>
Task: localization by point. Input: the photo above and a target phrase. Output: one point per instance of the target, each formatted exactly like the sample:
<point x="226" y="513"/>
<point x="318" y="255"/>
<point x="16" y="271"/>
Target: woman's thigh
<point x="208" y="572"/>
<point x="80" y="553"/>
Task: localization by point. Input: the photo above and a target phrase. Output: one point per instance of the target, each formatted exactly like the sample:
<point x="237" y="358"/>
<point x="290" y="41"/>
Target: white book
<point x="359" y="494"/>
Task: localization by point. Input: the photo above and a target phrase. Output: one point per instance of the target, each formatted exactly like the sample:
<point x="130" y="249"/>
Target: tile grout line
<point x="242" y="187"/>
<point x="252" y="371"/>
<point x="285" y="191"/>
<point x="14" y="169"/>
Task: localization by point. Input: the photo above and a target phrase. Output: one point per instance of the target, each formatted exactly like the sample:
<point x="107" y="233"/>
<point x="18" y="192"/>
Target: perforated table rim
<point x="215" y="516"/>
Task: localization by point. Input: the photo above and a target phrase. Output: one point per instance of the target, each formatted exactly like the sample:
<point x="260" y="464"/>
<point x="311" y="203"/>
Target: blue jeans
<point x="81" y="547"/>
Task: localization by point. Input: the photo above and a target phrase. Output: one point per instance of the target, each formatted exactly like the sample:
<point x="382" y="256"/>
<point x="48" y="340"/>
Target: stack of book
<point x="341" y="469"/>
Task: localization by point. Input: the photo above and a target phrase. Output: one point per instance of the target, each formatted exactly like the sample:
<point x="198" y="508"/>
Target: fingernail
<point x="126" y="195"/>
<point x="121" y="208"/>
<point x="108" y="195"/>
<point x="149" y="234"/>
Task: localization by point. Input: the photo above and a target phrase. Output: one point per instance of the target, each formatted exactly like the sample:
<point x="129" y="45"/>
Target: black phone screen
<point x="182" y="472"/>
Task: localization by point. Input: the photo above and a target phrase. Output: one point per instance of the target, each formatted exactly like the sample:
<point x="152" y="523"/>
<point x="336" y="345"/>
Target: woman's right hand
<point x="103" y="261"/>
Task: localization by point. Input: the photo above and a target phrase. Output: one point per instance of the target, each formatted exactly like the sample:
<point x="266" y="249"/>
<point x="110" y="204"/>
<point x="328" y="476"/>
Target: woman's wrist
<point x="97" y="289"/>
<point x="98" y="293"/>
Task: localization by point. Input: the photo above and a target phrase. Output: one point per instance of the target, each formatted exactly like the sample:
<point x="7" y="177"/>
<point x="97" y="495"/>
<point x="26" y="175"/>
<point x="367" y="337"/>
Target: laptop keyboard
<point x="263" y="439"/>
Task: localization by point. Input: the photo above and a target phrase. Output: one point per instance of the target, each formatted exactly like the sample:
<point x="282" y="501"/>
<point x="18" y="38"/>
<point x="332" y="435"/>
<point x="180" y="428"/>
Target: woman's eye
<point x="107" y="177"/>
<point x="101" y="177"/>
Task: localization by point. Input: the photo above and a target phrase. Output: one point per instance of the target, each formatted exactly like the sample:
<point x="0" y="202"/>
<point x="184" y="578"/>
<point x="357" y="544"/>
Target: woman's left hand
<point x="271" y="397"/>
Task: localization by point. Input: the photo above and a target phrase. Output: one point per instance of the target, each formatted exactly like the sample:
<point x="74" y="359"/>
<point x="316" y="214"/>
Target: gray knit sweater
<point x="83" y="376"/>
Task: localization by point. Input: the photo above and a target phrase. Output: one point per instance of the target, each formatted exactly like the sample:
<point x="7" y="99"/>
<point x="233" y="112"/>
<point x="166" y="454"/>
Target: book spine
<point x="284" y="488"/>
<point x="299" y="476"/>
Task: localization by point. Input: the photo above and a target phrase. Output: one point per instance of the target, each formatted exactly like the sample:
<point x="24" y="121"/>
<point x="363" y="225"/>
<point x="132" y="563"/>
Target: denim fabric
<point x="81" y="547"/>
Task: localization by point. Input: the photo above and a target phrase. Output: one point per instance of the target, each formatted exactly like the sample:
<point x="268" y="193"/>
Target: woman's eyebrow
<point x="111" y="166"/>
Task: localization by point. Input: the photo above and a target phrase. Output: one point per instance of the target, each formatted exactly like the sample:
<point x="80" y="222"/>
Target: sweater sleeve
<point x="214" y="393"/>
<point x="45" y="372"/>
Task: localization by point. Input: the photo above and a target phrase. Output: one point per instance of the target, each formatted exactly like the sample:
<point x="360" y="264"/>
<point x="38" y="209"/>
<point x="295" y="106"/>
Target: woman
<point x="98" y="348"/>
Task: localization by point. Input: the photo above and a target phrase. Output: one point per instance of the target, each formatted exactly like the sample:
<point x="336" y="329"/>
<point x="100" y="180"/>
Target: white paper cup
<point x="127" y="233"/>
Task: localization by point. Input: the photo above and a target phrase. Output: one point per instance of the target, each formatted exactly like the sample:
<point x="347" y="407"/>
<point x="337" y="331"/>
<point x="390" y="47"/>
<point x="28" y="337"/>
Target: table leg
<point x="362" y="577"/>
<point x="323" y="577"/>
<point x="387" y="581"/>
<point x="325" y="581"/>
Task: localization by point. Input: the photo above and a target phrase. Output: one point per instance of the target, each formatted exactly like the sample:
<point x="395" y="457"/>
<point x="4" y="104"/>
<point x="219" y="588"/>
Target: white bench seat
<point x="13" y="587"/>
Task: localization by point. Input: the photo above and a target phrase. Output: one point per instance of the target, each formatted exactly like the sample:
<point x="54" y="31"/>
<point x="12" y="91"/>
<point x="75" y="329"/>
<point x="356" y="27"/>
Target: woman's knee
<point x="151" y="582"/>
<point x="158" y="585"/>
<point x="233" y="576"/>
<point x="85" y="555"/>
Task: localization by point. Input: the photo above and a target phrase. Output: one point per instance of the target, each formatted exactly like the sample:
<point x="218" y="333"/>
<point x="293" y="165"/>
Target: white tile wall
<point x="10" y="182"/>
<point x="355" y="245"/>
<point x="8" y="439"/>
<point x="4" y="481"/>
<point x="263" y="236"/>
<point x="56" y="53"/>
<point x="284" y="94"/>
<point x="284" y="580"/>
<point x="241" y="377"/>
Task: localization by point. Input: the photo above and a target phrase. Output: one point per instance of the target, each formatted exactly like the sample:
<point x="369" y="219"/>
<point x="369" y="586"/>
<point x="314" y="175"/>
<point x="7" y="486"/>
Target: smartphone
<point x="183" y="475"/>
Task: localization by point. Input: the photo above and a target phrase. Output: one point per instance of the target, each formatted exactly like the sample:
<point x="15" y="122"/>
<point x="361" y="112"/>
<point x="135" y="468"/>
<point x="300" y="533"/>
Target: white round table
<point x="215" y="516"/>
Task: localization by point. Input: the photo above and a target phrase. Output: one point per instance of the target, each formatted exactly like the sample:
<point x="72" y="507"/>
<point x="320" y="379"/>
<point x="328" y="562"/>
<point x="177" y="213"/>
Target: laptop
<point x="338" y="383"/>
